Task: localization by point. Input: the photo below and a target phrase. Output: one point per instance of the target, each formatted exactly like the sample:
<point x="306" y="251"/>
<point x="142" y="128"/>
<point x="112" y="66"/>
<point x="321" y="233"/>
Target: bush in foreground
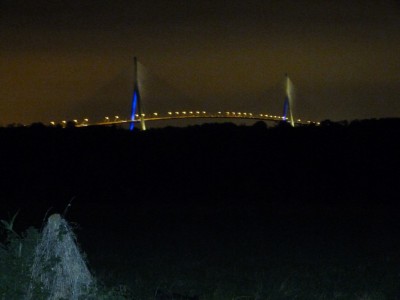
<point x="47" y="265"/>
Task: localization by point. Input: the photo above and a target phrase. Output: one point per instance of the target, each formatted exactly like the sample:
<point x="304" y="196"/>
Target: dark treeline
<point x="335" y="168"/>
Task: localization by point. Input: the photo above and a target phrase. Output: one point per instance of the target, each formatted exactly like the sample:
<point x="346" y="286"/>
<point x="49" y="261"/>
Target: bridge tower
<point x="137" y="107"/>
<point x="289" y="98"/>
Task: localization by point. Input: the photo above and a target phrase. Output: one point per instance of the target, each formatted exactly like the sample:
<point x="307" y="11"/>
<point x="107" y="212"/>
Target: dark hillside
<point x="331" y="167"/>
<point x="219" y="208"/>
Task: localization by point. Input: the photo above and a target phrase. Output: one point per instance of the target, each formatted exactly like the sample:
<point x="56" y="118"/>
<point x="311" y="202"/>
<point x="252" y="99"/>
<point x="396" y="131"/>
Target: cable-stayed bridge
<point x="192" y="115"/>
<point x="139" y="117"/>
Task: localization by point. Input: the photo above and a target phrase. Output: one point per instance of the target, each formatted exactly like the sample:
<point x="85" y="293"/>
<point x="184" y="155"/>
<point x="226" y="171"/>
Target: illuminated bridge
<point x="138" y="116"/>
<point x="190" y="115"/>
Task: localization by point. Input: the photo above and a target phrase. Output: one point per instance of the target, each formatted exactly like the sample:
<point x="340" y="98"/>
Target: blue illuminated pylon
<point x="137" y="108"/>
<point x="135" y="100"/>
<point x="285" y="108"/>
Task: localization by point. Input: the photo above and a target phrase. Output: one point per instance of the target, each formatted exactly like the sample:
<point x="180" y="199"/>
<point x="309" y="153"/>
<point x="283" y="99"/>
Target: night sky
<point x="65" y="60"/>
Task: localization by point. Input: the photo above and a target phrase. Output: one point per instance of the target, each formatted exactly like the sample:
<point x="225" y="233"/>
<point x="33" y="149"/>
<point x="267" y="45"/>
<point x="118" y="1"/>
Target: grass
<point x="260" y="278"/>
<point x="258" y="261"/>
<point x="233" y="258"/>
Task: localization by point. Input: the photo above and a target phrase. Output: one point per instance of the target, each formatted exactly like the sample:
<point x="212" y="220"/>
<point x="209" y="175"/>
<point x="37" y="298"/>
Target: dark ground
<point x="220" y="211"/>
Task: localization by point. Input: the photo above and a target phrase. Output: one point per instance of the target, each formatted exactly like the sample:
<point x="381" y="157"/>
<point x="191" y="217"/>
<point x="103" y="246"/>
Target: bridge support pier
<point x="142" y="123"/>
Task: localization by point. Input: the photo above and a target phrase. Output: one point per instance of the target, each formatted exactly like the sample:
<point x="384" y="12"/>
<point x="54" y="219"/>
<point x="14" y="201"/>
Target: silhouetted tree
<point x="70" y="124"/>
<point x="37" y="125"/>
<point x="283" y="124"/>
<point x="260" y="125"/>
<point x="331" y="124"/>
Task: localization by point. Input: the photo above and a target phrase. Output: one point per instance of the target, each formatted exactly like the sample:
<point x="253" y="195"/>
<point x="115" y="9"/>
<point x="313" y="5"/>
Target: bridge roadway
<point x="195" y="115"/>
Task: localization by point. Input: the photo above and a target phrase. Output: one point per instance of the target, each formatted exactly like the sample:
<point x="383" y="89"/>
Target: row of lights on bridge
<point x="220" y="113"/>
<point x="185" y="113"/>
<point x="64" y="122"/>
<point x="116" y="118"/>
<point x="233" y="114"/>
<point x="155" y="114"/>
<point x="226" y="113"/>
<point x="84" y="121"/>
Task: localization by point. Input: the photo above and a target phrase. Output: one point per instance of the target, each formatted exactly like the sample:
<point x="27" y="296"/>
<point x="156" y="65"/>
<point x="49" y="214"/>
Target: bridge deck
<point x="177" y="116"/>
